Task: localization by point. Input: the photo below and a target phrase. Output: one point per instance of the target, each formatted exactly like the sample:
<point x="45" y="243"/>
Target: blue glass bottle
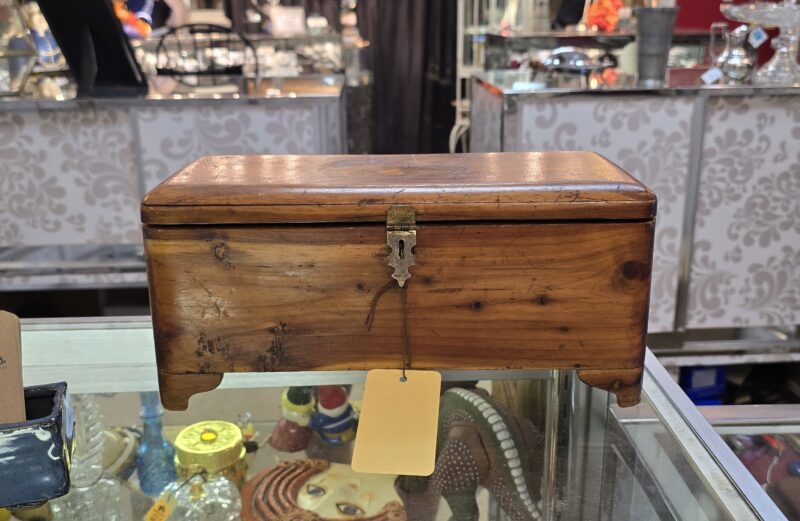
<point x="155" y="461"/>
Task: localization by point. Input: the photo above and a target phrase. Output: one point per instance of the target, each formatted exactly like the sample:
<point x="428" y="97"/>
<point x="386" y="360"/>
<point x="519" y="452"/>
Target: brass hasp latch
<point x="401" y="237"/>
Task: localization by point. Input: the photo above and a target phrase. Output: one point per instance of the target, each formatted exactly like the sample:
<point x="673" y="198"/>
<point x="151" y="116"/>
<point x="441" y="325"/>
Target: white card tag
<point x="398" y="422"/>
<point x="757" y="37"/>
<point x="288" y="20"/>
<point x="711" y="76"/>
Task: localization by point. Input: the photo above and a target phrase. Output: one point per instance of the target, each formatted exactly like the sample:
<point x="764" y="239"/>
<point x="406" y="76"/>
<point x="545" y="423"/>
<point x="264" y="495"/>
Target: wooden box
<point x="280" y="263"/>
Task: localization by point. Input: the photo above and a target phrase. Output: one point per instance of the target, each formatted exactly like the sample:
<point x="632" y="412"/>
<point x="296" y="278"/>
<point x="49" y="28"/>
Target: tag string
<point x="406" y="347"/>
<point x="404" y="302"/>
<point x="373" y="306"/>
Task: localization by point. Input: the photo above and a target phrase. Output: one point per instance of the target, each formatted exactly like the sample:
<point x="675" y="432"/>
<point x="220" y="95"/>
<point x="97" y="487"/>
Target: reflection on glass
<point x="543" y="447"/>
<point x="717" y="43"/>
<point x="17" y="51"/>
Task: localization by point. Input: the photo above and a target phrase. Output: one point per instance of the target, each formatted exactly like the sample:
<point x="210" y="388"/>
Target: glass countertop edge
<point x="15" y="103"/>
<point x="749" y="489"/>
<point x="328" y="87"/>
<point x="488" y="81"/>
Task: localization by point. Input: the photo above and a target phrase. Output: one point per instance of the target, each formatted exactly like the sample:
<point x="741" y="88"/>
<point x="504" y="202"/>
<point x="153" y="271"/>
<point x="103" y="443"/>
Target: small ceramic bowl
<point x="35" y="455"/>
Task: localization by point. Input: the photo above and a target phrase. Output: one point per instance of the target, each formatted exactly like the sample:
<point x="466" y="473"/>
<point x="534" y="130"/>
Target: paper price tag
<point x="757" y="37"/>
<point x="288" y="20"/>
<point x="398" y="422"/>
<point x="12" y="397"/>
<point x="161" y="509"/>
<point x="711" y="76"/>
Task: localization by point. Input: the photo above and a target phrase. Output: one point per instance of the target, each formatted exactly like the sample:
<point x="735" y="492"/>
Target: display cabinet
<point x="96" y="158"/>
<point x="766" y="439"/>
<point x="714" y="267"/>
<point x="504" y="51"/>
<point x="582" y="457"/>
<point x="276" y="56"/>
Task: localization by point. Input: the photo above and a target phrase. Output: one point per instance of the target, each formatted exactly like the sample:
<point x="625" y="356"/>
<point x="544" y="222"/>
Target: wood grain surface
<point x="220" y="190"/>
<point x="570" y="295"/>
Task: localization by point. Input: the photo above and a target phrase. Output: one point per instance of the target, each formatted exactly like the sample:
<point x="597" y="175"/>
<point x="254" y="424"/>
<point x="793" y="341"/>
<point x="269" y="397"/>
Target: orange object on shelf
<point x="129" y="19"/>
<point x="604" y="14"/>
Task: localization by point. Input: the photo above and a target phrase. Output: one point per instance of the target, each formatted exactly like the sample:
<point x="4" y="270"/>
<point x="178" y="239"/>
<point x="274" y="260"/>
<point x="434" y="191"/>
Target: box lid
<point x="441" y="187"/>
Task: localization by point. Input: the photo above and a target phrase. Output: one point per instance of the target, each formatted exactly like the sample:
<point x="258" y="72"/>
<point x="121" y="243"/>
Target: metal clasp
<point x="401" y="237"/>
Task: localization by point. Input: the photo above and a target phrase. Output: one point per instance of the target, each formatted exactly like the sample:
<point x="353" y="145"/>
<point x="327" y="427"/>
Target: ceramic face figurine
<point x="315" y="490"/>
<point x="480" y="443"/>
<point x="334" y="420"/>
<point x="291" y="433"/>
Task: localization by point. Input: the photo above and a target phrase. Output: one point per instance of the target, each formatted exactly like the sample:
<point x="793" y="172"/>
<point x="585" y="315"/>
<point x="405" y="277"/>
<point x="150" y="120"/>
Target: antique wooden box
<point x="281" y="263"/>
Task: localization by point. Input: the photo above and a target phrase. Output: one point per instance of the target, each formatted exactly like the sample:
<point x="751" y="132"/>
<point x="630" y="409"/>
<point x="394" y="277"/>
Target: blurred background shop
<point x="100" y="100"/>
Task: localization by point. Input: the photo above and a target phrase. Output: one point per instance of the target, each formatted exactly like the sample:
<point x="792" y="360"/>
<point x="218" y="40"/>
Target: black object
<point x="161" y="13"/>
<point x="413" y="59"/>
<point x="203" y="50"/>
<point x="299" y="395"/>
<point x="35" y="455"/>
<point x="764" y="384"/>
<point x="236" y="12"/>
<point x="96" y="48"/>
<point x="569" y="13"/>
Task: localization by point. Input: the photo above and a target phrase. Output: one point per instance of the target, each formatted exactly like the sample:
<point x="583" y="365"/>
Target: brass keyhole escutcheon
<point x="401" y="237"/>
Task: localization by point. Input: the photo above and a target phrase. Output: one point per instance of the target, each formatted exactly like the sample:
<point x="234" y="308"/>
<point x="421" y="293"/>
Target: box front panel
<point x="481" y="296"/>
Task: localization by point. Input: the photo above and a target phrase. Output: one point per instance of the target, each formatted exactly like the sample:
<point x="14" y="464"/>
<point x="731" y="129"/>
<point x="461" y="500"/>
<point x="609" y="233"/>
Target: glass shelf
<point x="766" y="439"/>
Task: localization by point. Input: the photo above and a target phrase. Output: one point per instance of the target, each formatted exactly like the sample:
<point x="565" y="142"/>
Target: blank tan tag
<point x="398" y="421"/>
<point x="12" y="397"/>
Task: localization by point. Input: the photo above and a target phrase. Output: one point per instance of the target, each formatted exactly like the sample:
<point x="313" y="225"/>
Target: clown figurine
<point x="291" y="433"/>
<point x="334" y="421"/>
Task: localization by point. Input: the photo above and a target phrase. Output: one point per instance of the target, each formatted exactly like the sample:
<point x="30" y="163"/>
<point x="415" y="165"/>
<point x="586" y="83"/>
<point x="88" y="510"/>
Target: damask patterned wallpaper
<point x="646" y="136"/>
<point x="746" y="263"/>
<point x="173" y="137"/>
<point x="72" y="176"/>
<point x="66" y="178"/>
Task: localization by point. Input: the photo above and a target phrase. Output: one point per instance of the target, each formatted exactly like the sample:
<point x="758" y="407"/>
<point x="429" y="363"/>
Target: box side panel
<point x="481" y="297"/>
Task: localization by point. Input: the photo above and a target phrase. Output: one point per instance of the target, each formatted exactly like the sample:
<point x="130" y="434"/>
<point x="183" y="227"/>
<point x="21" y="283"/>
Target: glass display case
<point x="766" y="439"/>
<point x="575" y="454"/>
<point x="276" y="56"/>
<point x="504" y="51"/>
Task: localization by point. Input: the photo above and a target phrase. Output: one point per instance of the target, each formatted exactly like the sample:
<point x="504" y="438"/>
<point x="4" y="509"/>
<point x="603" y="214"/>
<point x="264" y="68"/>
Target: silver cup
<point x="654" y="26"/>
